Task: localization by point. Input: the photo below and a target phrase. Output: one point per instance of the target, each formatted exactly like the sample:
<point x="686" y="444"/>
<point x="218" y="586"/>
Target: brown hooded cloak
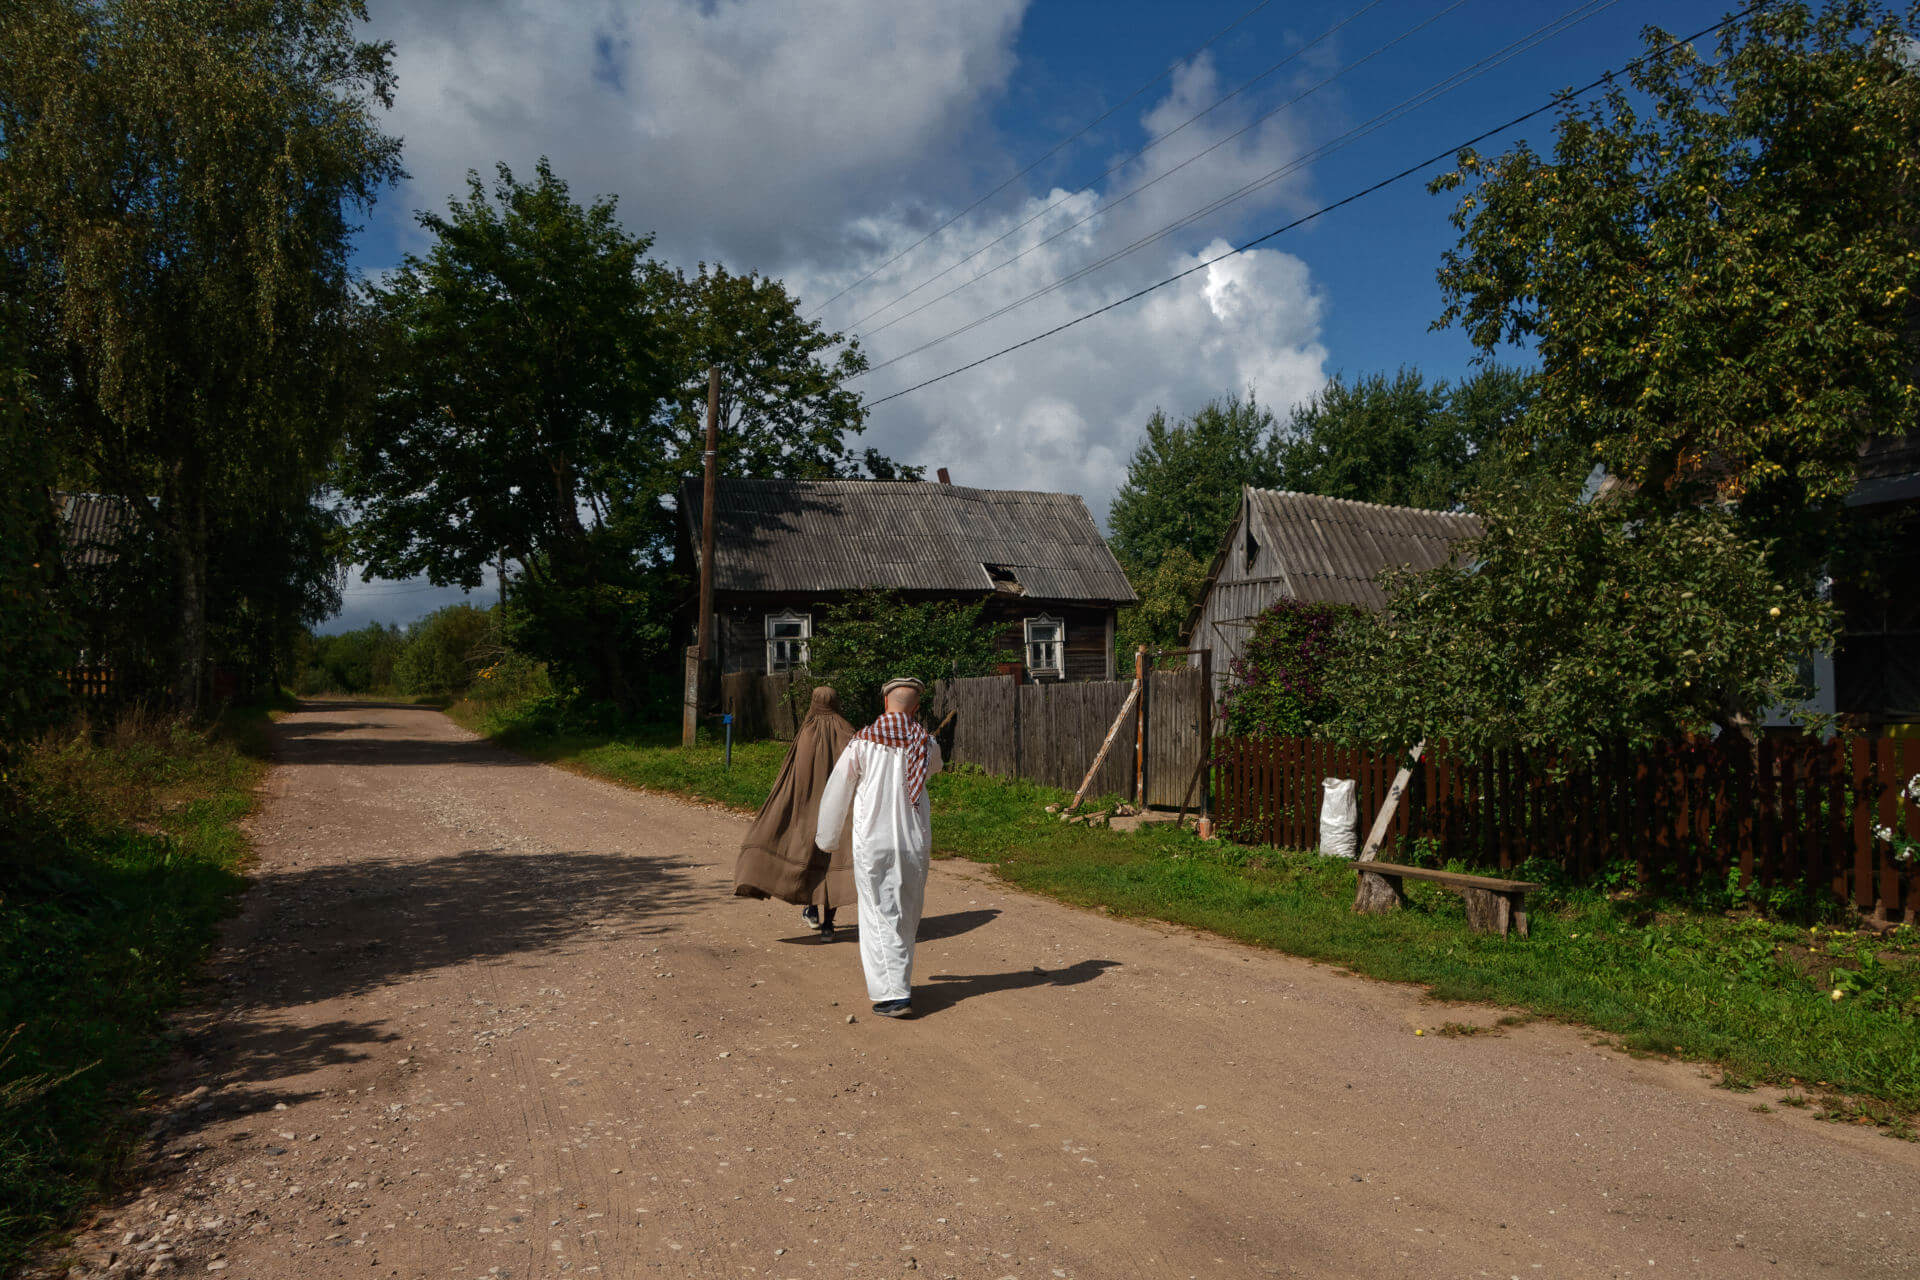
<point x="778" y="858"/>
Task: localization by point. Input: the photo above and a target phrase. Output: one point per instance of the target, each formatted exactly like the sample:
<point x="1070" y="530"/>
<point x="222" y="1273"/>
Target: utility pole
<point x="697" y="658"/>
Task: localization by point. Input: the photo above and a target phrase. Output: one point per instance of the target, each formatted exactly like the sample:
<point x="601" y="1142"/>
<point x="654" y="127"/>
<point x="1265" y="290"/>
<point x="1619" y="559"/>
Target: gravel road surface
<point x="484" y="1018"/>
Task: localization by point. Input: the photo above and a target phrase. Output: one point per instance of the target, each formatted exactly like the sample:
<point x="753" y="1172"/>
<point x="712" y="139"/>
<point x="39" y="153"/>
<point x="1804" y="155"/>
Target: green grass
<point x="115" y="873"/>
<point x="1734" y="987"/>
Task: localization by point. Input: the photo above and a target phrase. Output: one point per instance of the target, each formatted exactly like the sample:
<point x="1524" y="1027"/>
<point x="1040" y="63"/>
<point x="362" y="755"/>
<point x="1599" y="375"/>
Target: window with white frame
<point x="1046" y="646"/>
<point x="787" y="636"/>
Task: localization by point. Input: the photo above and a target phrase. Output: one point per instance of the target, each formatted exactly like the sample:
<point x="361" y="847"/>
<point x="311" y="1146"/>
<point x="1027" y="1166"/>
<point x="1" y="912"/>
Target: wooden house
<point x="1305" y="547"/>
<point x="787" y="550"/>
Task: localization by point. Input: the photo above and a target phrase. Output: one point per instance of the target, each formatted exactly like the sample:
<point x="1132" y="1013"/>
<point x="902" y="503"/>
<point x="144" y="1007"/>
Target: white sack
<point x="1339" y="818"/>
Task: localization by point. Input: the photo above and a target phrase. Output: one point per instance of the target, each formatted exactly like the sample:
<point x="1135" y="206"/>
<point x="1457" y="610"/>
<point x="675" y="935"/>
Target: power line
<point x="1057" y="148"/>
<point x="1409" y="171"/>
<point x="1109" y="172"/>
<point x="1440" y="88"/>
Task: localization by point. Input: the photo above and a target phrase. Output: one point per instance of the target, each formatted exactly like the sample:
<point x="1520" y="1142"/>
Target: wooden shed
<point x="786" y="550"/>
<point x="1306" y="547"/>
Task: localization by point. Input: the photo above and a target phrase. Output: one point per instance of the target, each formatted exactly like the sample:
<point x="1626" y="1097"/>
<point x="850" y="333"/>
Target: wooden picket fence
<point x="93" y="684"/>
<point x="1794" y="811"/>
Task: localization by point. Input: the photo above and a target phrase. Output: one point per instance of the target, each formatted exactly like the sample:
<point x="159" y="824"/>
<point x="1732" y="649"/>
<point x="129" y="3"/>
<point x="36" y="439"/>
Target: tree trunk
<point x="189" y="538"/>
<point x="1377" y="894"/>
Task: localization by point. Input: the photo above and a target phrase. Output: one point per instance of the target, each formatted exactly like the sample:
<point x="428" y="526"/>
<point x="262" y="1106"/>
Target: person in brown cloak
<point x="779" y="859"/>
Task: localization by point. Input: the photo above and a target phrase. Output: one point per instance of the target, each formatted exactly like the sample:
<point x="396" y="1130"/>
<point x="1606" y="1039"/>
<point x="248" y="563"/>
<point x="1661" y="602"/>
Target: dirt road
<point x="485" y="1018"/>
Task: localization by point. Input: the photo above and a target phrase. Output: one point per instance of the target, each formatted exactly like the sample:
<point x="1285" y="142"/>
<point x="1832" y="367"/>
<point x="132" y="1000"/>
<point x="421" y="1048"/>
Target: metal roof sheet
<point x="1331" y="549"/>
<point x="899" y="535"/>
<point x="94" y="524"/>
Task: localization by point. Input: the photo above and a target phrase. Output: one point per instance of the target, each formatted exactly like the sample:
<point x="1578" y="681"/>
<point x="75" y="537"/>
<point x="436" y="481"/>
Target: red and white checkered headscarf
<point x="898" y="729"/>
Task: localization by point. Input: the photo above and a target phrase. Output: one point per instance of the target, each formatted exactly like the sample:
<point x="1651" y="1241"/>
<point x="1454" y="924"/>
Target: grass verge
<point x="1750" y="993"/>
<point x="119" y="862"/>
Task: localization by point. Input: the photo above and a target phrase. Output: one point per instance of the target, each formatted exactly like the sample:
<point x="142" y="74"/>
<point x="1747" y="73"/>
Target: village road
<point x="485" y="1018"/>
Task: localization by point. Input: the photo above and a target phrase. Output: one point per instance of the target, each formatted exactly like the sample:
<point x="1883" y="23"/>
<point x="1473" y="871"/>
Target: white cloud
<point x="1067" y="412"/>
<point x="750" y="130"/>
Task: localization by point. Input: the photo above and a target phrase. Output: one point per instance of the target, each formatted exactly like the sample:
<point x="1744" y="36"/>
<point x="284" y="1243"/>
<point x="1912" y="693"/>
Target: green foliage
<point x="445" y="649"/>
<point x="352" y="662"/>
<point x="1717" y="269"/>
<point x="1183" y="483"/>
<point x="1278" y="686"/>
<point x="177" y="193"/>
<point x="109" y="900"/>
<point x="1404" y="441"/>
<point x="864" y="642"/>
<point x="520" y="363"/>
<point x="522" y="360"/>
<point x="1572" y="627"/>
<point x="547" y="383"/>
<point x="785" y="410"/>
<point x="36" y="640"/>
<point x="1168" y="591"/>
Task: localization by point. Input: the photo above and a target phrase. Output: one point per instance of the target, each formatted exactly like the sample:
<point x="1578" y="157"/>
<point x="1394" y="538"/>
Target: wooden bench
<point x="1493" y="905"/>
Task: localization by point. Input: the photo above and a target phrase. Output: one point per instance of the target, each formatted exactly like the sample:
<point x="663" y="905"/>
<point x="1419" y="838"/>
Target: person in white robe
<point x="876" y="799"/>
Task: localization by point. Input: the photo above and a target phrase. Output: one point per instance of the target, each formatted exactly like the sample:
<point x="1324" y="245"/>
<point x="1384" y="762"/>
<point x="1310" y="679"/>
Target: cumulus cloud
<point x="747" y="130"/>
<point x="1066" y="413"/>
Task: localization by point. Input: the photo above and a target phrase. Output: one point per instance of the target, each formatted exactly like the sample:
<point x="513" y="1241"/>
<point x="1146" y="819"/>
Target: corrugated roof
<point x="1331" y="549"/>
<point x="888" y="535"/>
<point x="94" y="525"/>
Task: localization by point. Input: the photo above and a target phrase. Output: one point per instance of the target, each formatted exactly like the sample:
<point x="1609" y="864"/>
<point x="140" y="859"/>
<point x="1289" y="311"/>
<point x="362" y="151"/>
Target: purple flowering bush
<point x="1277" y="686"/>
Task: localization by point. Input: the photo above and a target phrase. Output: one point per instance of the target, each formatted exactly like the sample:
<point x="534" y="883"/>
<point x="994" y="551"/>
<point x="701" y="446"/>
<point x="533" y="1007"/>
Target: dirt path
<point x="487" y="1018"/>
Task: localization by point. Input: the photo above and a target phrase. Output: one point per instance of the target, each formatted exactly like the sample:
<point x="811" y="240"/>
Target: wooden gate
<point x="1177" y="711"/>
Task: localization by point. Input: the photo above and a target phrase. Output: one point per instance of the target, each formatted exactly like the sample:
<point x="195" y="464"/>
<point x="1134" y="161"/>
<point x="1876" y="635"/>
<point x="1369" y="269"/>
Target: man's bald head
<point x="903" y="698"/>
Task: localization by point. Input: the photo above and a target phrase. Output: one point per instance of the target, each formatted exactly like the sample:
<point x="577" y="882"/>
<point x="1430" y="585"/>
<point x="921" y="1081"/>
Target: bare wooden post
<point x="1140" y="728"/>
<point x="1099" y="759"/>
<point x="1377" y="894"/>
<point x="1206" y="744"/>
<point x="703" y="650"/>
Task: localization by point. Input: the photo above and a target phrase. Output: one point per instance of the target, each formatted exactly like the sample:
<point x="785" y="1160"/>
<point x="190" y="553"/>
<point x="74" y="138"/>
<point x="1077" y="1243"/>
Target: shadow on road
<point x="932" y="928"/>
<point x="345" y="929"/>
<point x="944" y="990"/>
<point x="309" y="742"/>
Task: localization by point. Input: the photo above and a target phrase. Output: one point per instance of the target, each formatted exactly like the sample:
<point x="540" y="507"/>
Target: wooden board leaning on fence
<point x="1119" y="721"/>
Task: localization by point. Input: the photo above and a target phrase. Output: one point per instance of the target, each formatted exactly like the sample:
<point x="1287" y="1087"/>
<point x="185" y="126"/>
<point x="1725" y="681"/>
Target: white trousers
<point x="892" y="886"/>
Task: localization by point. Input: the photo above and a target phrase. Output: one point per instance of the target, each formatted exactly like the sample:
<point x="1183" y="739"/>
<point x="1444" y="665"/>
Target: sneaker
<point x="810" y="917"/>
<point x="894" y="1008"/>
<point x="828" y="933"/>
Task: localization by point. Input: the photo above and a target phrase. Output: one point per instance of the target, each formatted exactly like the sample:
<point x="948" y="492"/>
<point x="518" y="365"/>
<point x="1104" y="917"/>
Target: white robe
<point x="866" y="803"/>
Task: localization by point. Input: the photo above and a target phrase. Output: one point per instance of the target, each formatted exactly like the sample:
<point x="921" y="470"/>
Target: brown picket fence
<point x="1790" y="812"/>
<point x="95" y="684"/>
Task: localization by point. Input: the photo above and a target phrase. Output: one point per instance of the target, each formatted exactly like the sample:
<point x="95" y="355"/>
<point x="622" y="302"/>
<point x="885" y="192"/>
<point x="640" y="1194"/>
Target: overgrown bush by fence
<point x="1794" y="813"/>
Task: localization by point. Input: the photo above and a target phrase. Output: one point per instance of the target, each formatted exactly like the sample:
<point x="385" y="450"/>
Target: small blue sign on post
<point x="727" y="720"/>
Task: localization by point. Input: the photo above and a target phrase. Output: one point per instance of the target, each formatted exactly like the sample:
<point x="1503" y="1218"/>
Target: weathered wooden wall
<point x="1046" y="733"/>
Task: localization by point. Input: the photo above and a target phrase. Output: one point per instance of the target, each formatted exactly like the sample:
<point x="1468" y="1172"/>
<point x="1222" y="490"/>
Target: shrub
<point x="444" y="650"/>
<point x="1278" y="687"/>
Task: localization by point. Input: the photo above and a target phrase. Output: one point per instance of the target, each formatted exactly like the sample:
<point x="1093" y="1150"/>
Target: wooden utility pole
<point x="703" y="649"/>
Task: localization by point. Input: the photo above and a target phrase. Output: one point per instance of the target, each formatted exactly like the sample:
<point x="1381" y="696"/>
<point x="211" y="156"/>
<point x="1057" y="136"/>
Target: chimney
<point x="944" y="477"/>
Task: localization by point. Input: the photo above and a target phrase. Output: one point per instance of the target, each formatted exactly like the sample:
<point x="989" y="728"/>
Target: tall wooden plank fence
<point x="1792" y="812"/>
<point x="1046" y="733"/>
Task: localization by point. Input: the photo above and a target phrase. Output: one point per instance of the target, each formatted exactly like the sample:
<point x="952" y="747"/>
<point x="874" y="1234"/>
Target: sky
<point x="988" y="164"/>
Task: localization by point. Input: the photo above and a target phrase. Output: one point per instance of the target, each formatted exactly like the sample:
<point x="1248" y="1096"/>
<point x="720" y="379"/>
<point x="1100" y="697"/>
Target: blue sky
<point x="815" y="142"/>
